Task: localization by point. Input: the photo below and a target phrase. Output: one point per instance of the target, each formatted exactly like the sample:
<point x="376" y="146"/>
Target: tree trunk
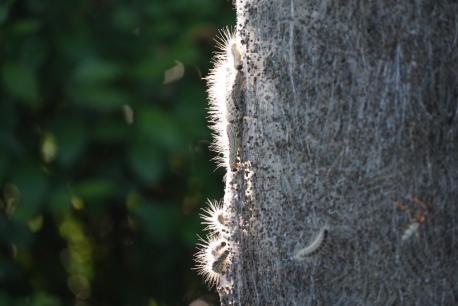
<point x="349" y="147"/>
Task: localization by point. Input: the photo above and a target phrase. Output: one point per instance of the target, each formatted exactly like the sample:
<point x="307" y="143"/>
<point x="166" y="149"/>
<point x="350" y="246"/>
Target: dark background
<point x="103" y="167"/>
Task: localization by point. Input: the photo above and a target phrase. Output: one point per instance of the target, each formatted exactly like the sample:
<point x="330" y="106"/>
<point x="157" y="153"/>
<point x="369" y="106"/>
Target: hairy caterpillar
<point x="225" y="92"/>
<point x="214" y="218"/>
<point x="225" y="84"/>
<point x="417" y="216"/>
<point x="212" y="259"/>
<point x="410" y="230"/>
<point x="314" y="246"/>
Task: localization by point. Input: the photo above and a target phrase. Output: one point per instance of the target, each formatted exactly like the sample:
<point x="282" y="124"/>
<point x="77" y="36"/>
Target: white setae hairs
<point x="213" y="255"/>
<point x="224" y="115"/>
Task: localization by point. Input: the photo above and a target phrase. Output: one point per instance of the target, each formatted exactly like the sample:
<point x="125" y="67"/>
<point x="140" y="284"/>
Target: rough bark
<point x="350" y="122"/>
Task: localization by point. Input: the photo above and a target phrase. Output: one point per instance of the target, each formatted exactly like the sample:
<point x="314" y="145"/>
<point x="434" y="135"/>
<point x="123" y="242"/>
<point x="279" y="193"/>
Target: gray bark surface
<point x="350" y="122"/>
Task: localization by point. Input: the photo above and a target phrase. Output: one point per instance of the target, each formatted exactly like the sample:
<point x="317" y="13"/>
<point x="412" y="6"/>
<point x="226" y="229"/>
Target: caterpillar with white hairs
<point x="225" y="83"/>
<point x="314" y="246"/>
<point x="212" y="259"/>
<point x="225" y="87"/>
<point x="214" y="218"/>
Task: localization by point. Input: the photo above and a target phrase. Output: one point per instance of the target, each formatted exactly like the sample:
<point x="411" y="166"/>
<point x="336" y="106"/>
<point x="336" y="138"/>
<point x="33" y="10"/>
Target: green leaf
<point x="159" y="127"/>
<point x="108" y="131"/>
<point x="152" y="68"/>
<point x="3" y="166"/>
<point x="96" y="70"/>
<point x="59" y="202"/>
<point x="125" y="18"/>
<point x="146" y="161"/>
<point x="21" y="82"/>
<point x="71" y="139"/>
<point x="4" y="14"/>
<point x="43" y="299"/>
<point x="99" y="97"/>
<point x="160" y="222"/>
<point x="11" y="144"/>
<point x="95" y="189"/>
<point x="4" y="299"/>
<point x="32" y="184"/>
<point x="25" y="26"/>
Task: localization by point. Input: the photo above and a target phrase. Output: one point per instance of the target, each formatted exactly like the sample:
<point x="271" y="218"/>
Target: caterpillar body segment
<point x="317" y="244"/>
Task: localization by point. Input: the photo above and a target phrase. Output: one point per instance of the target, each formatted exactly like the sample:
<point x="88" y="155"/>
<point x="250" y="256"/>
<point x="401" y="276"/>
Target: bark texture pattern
<point x="350" y="122"/>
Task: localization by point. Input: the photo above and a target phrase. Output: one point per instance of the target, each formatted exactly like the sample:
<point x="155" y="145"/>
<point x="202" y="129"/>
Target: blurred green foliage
<point x="103" y="165"/>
